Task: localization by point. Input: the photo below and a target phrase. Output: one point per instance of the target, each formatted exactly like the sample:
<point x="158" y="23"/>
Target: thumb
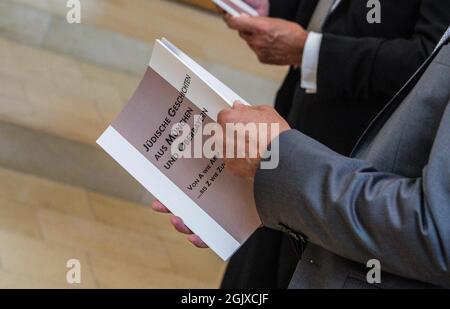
<point x="238" y="104"/>
<point x="253" y="3"/>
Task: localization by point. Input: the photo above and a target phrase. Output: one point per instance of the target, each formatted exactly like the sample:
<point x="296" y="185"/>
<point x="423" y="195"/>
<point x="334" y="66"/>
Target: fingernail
<point x="193" y="239"/>
<point x="237" y="104"/>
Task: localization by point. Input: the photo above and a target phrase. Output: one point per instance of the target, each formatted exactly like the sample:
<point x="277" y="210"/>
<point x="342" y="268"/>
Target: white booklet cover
<point x="236" y="7"/>
<point x="214" y="204"/>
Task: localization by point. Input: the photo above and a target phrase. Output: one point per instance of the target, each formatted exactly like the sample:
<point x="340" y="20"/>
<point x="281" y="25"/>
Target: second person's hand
<point x="274" y="41"/>
<point x="260" y="6"/>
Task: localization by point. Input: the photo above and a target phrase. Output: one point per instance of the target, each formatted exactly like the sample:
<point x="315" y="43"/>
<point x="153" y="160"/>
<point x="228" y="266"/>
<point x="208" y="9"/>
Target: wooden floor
<point x="43" y="223"/>
<point x="119" y="244"/>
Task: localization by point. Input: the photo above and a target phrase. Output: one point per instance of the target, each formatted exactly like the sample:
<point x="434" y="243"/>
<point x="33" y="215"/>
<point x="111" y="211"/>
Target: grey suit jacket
<point x="390" y="202"/>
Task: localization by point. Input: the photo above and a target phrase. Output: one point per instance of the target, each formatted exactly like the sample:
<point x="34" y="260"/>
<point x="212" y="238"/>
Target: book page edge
<point x="149" y="176"/>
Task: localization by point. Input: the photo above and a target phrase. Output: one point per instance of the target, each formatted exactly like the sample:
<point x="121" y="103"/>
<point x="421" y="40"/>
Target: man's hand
<point x="260" y="6"/>
<point x="245" y="167"/>
<point x="274" y="41"/>
<point x="242" y="114"/>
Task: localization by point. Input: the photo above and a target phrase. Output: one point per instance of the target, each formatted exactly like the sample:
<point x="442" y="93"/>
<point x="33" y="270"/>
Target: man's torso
<point x="402" y="146"/>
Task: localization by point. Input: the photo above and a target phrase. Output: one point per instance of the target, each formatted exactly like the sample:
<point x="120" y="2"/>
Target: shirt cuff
<point x="310" y="62"/>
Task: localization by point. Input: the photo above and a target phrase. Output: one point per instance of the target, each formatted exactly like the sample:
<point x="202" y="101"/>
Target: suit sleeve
<point x="365" y="67"/>
<point x="347" y="207"/>
<point x="285" y="9"/>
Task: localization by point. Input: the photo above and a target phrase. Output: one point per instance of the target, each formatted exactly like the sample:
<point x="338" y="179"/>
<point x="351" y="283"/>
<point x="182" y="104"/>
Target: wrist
<point x="299" y="40"/>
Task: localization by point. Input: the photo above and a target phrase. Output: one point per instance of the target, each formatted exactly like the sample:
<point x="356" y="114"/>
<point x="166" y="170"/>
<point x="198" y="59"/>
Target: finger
<point x="234" y="165"/>
<point x="159" y="207"/>
<point x="196" y="241"/>
<point x="179" y="225"/>
<point x="238" y="105"/>
<point x="224" y="116"/>
<point x="248" y="24"/>
<point x="253" y="3"/>
<point x="257" y="43"/>
<point x="227" y="18"/>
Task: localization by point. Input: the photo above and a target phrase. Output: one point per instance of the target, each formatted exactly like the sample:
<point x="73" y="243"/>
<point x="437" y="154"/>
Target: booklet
<point x="177" y="92"/>
<point x="236" y="7"/>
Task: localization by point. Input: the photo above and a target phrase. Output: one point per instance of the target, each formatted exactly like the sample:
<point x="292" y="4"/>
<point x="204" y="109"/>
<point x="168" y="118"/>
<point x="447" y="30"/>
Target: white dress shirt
<point x="310" y="61"/>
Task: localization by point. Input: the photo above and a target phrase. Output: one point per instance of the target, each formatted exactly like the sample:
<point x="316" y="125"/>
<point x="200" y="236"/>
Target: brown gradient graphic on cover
<point x="229" y="200"/>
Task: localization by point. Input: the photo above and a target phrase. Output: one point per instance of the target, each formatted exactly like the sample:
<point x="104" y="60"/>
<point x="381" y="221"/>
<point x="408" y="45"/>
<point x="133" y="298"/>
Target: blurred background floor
<point x="60" y="196"/>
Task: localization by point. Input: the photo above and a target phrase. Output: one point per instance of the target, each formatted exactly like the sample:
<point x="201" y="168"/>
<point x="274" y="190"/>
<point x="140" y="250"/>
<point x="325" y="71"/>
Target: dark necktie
<point x="323" y="9"/>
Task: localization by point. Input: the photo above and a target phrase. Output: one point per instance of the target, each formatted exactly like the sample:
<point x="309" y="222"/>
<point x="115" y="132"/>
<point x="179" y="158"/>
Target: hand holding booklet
<point x="176" y="91"/>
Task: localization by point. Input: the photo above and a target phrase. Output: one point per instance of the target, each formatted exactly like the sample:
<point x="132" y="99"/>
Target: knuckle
<point x="263" y="59"/>
<point x="224" y="116"/>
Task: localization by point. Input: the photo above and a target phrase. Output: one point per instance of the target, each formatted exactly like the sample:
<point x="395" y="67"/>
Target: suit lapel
<point x="392" y="106"/>
<point x="335" y="6"/>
